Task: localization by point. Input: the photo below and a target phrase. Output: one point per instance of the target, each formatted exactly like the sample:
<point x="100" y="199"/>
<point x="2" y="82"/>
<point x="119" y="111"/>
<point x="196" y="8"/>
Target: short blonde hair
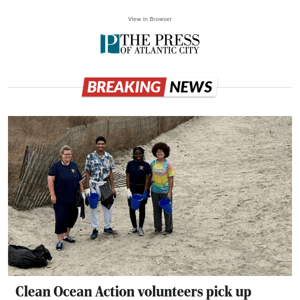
<point x="63" y="149"/>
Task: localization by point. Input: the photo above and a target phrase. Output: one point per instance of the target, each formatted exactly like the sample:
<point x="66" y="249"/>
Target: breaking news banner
<point x="153" y="291"/>
<point x="149" y="87"/>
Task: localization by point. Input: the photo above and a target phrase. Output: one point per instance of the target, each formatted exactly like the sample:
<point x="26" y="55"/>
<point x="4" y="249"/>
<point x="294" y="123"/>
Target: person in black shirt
<point x="64" y="179"/>
<point x="137" y="179"/>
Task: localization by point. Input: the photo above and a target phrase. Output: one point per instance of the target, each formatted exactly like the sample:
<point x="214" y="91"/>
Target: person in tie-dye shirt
<point x="162" y="184"/>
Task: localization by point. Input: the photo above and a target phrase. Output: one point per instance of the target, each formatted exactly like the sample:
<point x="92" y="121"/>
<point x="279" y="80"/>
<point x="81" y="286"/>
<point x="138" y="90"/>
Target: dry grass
<point x="120" y="133"/>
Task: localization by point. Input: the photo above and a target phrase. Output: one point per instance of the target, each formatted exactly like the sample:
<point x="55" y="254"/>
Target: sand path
<point x="232" y="209"/>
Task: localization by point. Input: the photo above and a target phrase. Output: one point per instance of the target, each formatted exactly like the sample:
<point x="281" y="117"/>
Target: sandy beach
<point x="232" y="204"/>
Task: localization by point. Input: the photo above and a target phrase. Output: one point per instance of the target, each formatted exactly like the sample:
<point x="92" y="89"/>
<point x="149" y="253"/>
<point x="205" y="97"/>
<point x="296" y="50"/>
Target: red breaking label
<point x="124" y="87"/>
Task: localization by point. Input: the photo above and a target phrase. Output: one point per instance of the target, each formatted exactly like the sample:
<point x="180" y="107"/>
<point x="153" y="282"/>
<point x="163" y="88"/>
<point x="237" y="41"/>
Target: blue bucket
<point x="93" y="199"/>
<point x="136" y="201"/>
<point x="165" y="204"/>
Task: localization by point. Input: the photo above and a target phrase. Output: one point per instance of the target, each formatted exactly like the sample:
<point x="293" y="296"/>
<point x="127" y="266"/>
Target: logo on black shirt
<point x="73" y="170"/>
<point x="141" y="168"/>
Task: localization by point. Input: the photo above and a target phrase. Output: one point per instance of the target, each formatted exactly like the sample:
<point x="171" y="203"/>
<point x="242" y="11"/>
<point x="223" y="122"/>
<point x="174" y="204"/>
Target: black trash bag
<point x="79" y="199"/>
<point x="80" y="203"/>
<point x="107" y="197"/>
<point x="22" y="257"/>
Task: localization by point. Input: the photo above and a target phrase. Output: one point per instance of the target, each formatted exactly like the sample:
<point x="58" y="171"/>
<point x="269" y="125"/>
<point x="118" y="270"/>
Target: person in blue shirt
<point x="137" y="180"/>
<point x="64" y="179"/>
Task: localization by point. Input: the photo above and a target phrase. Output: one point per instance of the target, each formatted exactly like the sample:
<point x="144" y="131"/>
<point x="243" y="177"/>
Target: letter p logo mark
<point x="110" y="43"/>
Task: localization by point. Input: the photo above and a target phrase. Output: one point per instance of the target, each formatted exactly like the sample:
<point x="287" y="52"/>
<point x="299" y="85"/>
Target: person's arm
<point x="87" y="191"/>
<point x="51" y="180"/>
<point x="128" y="180"/>
<point x="147" y="182"/>
<point x="129" y="194"/>
<point x="87" y="179"/>
<point x="145" y="193"/>
<point x="81" y="186"/>
<point x="171" y="180"/>
<point x="111" y="181"/>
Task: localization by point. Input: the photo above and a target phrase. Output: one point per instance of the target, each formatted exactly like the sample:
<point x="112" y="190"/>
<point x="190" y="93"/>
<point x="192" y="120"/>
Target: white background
<point x="48" y="47"/>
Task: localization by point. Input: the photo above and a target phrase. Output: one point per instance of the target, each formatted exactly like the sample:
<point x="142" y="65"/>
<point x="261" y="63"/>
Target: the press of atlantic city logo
<point x="149" y="44"/>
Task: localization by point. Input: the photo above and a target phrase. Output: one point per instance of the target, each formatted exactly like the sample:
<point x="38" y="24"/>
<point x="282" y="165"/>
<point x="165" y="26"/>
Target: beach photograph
<point x="231" y="199"/>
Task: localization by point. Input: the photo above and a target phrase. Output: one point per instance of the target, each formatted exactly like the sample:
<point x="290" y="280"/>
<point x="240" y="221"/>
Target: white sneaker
<point x="132" y="231"/>
<point x="140" y="231"/>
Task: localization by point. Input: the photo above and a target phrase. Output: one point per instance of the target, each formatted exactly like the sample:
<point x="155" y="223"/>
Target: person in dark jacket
<point x="137" y="180"/>
<point x="64" y="179"/>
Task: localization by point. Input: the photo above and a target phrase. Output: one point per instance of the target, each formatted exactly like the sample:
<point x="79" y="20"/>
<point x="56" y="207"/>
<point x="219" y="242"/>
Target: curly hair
<point x="161" y="146"/>
<point x="140" y="149"/>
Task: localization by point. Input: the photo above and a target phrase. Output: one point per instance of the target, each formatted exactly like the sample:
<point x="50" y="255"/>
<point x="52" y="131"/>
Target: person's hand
<point x="129" y="194"/>
<point x="113" y="191"/>
<point x="53" y="199"/>
<point x="144" y="197"/>
<point x="169" y="195"/>
<point x="87" y="191"/>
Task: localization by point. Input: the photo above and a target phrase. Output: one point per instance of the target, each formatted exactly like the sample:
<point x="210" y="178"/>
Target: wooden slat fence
<point x="32" y="190"/>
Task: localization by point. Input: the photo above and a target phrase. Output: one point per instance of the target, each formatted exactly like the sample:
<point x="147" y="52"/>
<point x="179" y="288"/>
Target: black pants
<point x="157" y="213"/>
<point x="65" y="216"/>
<point x="142" y="214"/>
